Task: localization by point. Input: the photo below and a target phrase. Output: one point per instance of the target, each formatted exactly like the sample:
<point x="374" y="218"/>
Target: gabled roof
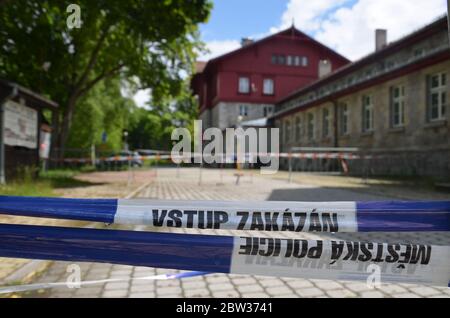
<point x="392" y="47"/>
<point x="292" y="31"/>
<point x="37" y="99"/>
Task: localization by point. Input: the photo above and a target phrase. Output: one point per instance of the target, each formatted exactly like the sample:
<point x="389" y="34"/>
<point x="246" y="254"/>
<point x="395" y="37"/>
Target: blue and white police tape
<point x="391" y="216"/>
<point x="70" y="284"/>
<point x="334" y="259"/>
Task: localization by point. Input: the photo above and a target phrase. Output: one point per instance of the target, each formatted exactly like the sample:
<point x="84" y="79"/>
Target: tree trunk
<point x="66" y="123"/>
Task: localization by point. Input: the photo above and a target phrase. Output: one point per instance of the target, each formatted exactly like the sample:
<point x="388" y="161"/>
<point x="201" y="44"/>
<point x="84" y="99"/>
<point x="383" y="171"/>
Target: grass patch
<point x="36" y="188"/>
<point x="44" y="184"/>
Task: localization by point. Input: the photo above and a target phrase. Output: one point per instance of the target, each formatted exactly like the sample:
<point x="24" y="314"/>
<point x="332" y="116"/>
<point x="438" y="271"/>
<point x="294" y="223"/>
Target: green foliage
<point x="43" y="186"/>
<point x="104" y="109"/>
<point x="146" y="43"/>
<point x="152" y="129"/>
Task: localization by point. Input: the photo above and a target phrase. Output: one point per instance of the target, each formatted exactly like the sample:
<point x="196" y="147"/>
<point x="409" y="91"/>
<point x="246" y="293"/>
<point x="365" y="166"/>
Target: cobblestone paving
<point x="217" y="185"/>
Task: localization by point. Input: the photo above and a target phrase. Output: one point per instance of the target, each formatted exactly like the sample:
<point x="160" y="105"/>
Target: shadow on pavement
<point x="321" y="194"/>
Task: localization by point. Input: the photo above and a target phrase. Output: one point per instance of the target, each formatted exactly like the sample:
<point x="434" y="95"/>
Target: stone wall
<point x="429" y="141"/>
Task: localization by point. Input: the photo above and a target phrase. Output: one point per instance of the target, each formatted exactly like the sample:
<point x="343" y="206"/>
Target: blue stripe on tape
<point x="398" y="216"/>
<point x="96" y="210"/>
<point x="175" y="251"/>
<point x="371" y="216"/>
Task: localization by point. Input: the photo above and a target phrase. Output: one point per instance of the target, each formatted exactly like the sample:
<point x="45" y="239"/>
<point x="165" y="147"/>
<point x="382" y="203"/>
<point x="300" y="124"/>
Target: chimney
<point x="380" y="39"/>
<point x="325" y="68"/>
<point x="246" y="41"/>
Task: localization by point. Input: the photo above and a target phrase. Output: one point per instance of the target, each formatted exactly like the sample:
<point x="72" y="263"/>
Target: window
<point x="325" y="122"/>
<point x="310" y="126"/>
<point x="274" y="59"/>
<point x="297" y="61"/>
<point x="290" y="60"/>
<point x="267" y="110"/>
<point x="343" y="119"/>
<point x="243" y="110"/>
<point x="244" y="85"/>
<point x="419" y="53"/>
<point x="281" y="59"/>
<point x="268" y="87"/>
<point x="397" y="106"/>
<point x="367" y="114"/>
<point x="287" y="131"/>
<point x="304" y="61"/>
<point x="298" y="128"/>
<point x="437" y="96"/>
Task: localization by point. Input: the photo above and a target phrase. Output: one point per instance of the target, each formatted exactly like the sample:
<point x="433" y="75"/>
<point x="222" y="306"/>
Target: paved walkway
<point x="217" y="185"/>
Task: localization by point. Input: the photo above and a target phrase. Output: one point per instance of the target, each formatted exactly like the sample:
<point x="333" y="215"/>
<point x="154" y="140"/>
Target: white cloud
<point x="217" y="48"/>
<point x="350" y="30"/>
<point x="307" y="14"/>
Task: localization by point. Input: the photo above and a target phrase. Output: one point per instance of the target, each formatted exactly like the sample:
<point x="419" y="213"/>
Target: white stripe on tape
<point x="228" y="215"/>
<point x="339" y="260"/>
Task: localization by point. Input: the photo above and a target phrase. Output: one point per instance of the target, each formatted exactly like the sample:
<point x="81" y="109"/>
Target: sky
<point x="346" y="26"/>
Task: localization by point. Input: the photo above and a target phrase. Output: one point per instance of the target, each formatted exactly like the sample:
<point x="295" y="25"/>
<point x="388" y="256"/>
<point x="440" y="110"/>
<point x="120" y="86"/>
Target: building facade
<point x="247" y="82"/>
<point x="393" y="101"/>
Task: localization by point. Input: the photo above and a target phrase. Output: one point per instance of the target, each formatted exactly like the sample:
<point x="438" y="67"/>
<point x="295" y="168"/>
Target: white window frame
<point x="297" y="60"/>
<point x="398" y="106"/>
<point x="298" y="128"/>
<point x="440" y="92"/>
<point x="244" y="85"/>
<point x="243" y="110"/>
<point x="325" y="122"/>
<point x="311" y="126"/>
<point x="367" y="113"/>
<point x="289" y="60"/>
<point x="305" y="61"/>
<point x="268" y="90"/>
<point x="344" y="115"/>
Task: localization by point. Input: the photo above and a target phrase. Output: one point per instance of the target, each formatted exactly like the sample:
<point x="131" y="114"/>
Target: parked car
<point x="122" y="158"/>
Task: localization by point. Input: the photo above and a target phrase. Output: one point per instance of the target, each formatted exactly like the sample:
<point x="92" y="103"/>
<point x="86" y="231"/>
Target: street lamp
<point x="125" y="140"/>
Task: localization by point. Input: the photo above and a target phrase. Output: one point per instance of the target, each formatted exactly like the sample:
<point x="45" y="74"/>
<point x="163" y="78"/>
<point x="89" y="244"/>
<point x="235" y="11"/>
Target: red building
<point x="250" y="80"/>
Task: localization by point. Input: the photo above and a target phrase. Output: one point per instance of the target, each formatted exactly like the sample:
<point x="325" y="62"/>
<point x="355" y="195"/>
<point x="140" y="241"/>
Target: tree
<point x="103" y="109"/>
<point x="147" y="43"/>
<point x="152" y="129"/>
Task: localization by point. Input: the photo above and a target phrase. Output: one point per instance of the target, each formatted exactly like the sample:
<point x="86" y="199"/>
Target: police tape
<point x="71" y="284"/>
<point x="111" y="159"/>
<point x="270" y="216"/>
<point x="224" y="158"/>
<point x="296" y="258"/>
